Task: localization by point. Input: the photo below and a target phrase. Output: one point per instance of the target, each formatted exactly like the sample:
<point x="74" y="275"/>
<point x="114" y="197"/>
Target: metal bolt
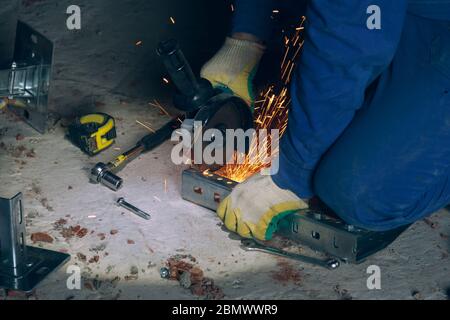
<point x="121" y="202"/>
<point x="333" y="264"/>
<point x="164" y="273"/>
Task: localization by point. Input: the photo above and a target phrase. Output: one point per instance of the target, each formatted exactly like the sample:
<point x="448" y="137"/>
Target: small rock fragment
<point x="82" y="232"/>
<point x="432" y="224"/>
<point x="416" y="295"/>
<point x="131" y="278"/>
<point x="102" y="236"/>
<point x="134" y="270"/>
<point x="94" y="259"/>
<point x="185" y="280"/>
<point x="81" y="257"/>
<point x="41" y="237"/>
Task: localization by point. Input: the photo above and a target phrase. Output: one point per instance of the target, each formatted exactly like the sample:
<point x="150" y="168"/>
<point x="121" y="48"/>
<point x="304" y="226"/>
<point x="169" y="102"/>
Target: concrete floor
<point x="100" y="68"/>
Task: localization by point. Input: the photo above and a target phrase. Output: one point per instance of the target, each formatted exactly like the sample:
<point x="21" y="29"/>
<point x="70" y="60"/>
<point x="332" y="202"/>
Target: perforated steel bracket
<point x="312" y="228"/>
<point x="22" y="267"/>
<point x="334" y="237"/>
<point x="27" y="81"/>
<point x="205" y="188"/>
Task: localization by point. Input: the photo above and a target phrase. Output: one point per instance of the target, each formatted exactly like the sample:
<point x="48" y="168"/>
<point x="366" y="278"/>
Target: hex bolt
<point x="144" y="215"/>
<point x="164" y="273"/>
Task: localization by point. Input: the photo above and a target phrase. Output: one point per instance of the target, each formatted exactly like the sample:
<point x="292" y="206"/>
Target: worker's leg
<point x="391" y="167"/>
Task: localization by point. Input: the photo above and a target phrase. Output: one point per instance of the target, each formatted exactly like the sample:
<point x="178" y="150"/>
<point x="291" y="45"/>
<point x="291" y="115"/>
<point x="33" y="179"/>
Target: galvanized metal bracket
<point x="22" y="267"/>
<point x="27" y="82"/>
<point x="334" y="237"/>
<point x="311" y="228"/>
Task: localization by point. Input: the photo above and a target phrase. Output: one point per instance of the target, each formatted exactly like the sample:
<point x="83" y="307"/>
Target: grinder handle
<point x="178" y="68"/>
<point x="153" y="140"/>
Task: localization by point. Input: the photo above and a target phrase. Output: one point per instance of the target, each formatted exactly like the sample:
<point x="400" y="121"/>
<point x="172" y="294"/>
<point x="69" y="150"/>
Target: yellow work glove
<point x="3" y="103"/>
<point x="234" y="67"/>
<point x="255" y="207"/>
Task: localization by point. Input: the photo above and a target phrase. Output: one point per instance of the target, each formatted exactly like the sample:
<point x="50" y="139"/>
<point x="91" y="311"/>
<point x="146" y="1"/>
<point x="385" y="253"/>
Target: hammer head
<point x="101" y="173"/>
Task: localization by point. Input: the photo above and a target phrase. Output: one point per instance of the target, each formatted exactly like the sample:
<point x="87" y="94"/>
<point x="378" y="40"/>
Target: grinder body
<point x="199" y="101"/>
<point x="212" y="107"/>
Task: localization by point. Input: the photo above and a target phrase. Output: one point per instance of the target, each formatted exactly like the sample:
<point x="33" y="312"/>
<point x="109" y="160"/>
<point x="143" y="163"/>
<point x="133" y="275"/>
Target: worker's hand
<point x="234" y="67"/>
<point x="255" y="207"/>
<point x="3" y="103"/>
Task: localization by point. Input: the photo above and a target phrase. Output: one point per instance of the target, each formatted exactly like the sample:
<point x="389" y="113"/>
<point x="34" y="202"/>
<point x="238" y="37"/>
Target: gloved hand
<point x="255" y="207"/>
<point x="3" y="103"/>
<point x="234" y="67"/>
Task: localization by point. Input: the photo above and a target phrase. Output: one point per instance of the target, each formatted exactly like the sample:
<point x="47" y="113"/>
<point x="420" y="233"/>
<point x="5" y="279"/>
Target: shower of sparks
<point x="271" y="112"/>
<point x="165" y="80"/>
<point x="232" y="7"/>
<point x="172" y="20"/>
<point x="146" y="126"/>
<point x="138" y="43"/>
<point x="156" y="104"/>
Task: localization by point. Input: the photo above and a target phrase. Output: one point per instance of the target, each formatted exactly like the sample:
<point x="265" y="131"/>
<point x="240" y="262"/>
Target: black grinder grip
<point x="193" y="93"/>
<point x="178" y="68"/>
<point x="161" y="135"/>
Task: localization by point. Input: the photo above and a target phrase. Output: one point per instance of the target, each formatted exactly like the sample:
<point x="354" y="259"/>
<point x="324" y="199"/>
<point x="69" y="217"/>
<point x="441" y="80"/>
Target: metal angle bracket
<point x="309" y="227"/>
<point x="27" y="82"/>
<point x="22" y="267"/>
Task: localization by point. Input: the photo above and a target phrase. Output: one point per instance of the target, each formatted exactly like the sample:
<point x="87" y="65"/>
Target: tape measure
<point x="93" y="133"/>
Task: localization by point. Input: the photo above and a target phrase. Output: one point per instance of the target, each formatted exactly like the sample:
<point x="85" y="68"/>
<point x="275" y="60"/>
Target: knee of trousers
<point x="357" y="197"/>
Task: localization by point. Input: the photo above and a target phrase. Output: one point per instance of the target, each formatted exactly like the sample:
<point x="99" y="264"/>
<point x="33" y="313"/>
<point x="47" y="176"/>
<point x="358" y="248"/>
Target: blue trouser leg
<point x="391" y="166"/>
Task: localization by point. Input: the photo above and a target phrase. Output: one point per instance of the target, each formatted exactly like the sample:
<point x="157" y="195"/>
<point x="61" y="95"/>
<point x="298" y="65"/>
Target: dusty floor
<point x="121" y="255"/>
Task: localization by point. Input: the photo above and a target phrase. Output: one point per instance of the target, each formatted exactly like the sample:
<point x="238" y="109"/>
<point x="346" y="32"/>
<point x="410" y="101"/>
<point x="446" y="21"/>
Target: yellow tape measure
<point x="93" y="133"/>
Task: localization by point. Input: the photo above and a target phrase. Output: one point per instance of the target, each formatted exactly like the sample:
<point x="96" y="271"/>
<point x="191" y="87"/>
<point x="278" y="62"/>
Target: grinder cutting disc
<point x="224" y="111"/>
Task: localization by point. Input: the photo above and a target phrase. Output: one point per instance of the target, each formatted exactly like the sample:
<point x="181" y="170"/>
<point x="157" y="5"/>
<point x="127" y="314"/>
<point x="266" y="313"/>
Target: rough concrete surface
<point x="120" y="254"/>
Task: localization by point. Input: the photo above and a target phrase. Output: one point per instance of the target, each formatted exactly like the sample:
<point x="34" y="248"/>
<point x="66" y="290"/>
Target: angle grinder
<point x="200" y="103"/>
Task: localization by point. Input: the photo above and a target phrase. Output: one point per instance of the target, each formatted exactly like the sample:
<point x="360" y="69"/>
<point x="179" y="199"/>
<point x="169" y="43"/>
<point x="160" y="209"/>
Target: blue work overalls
<point x="369" y="125"/>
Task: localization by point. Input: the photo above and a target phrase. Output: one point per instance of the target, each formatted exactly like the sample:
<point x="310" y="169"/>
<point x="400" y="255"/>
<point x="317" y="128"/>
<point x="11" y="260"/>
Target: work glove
<point x="3" y="103"/>
<point x="234" y="67"/>
<point x="255" y="207"/>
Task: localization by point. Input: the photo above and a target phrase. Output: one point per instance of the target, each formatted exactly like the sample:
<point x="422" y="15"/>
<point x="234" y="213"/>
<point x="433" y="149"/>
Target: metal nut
<point x="164" y="273"/>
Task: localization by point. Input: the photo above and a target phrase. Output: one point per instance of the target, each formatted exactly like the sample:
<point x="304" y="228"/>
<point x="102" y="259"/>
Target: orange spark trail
<point x="271" y="112"/>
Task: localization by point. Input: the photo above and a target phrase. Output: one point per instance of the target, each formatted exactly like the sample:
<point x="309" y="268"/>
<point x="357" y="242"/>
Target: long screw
<point x="121" y="202"/>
